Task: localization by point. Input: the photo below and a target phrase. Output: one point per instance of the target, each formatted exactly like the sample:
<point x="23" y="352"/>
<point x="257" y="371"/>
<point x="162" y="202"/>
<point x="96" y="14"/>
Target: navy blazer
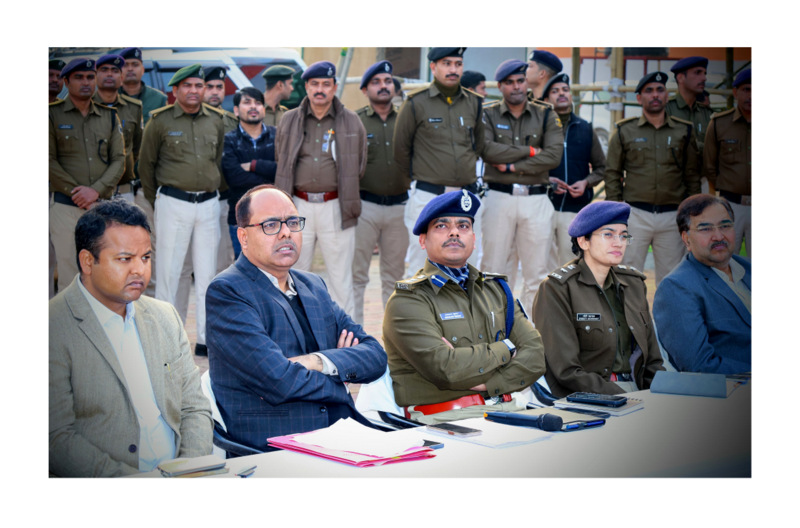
<point x="701" y="323"/>
<point x="251" y="330"/>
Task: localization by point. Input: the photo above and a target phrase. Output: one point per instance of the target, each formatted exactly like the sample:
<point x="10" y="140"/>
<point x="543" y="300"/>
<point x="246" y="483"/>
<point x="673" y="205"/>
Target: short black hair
<point x="470" y="79"/>
<point x="243" y="205"/>
<point x="695" y="205"/>
<point x="249" y="91"/>
<point x="92" y="225"/>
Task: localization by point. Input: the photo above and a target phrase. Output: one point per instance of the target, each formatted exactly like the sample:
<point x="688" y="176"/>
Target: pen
<point x="462" y="120"/>
<point x="574" y="426"/>
<point x="247" y="472"/>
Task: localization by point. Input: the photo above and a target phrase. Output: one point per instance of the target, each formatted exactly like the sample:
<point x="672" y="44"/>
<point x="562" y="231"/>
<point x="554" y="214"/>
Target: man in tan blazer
<point x="124" y="390"/>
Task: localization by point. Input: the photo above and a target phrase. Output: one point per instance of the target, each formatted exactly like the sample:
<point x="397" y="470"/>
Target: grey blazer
<point x="93" y="427"/>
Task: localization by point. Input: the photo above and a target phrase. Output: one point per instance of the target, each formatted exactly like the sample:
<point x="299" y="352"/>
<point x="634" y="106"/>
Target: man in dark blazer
<point x="280" y="350"/>
<point x="702" y="308"/>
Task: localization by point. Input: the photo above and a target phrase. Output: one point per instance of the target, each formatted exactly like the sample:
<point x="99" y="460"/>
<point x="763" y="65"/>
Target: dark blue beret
<point x="114" y="60"/>
<point x="195" y="70"/>
<point x="434" y="54"/>
<point x="455" y="203"/>
<point x="689" y="62"/>
<point x="559" y="78"/>
<point x="383" y="66"/>
<point x="509" y="67"/>
<point x="321" y="69"/>
<point x="656" y="77"/>
<point x="217" y="73"/>
<point x="131" y="53"/>
<point x="546" y="58"/>
<point x="76" y="65"/>
<point x="742" y="78"/>
<point x="596" y="215"/>
<point x="57" y="64"/>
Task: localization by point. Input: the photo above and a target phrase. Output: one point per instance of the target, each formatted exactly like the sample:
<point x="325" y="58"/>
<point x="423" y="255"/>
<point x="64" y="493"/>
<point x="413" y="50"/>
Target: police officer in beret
<point x="134" y="86"/>
<point x="215" y="95"/>
<point x="691" y="102"/>
<point x="593" y="313"/>
<point x="652" y="165"/>
<point x="524" y="140"/>
<point x="438" y="138"/>
<point x="179" y="166"/>
<point x="279" y="87"/>
<point x="582" y="166"/>
<point x="727" y="158"/>
<point x="383" y="189"/>
<point x="321" y="150"/>
<point x="542" y="65"/>
<point x="457" y="342"/>
<point x="87" y="159"/>
<point x="129" y="111"/>
<point x="56" y="82"/>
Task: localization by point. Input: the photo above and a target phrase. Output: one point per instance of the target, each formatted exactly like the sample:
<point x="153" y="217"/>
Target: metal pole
<point x="345" y="59"/>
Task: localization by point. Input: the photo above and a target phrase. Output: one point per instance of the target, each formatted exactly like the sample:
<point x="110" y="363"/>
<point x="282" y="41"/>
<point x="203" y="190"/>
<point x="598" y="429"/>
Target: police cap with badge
<point x="115" y="60"/>
<point x="510" y="67"/>
<point x="654" y="77"/>
<point x="131" y="53"/>
<point x="195" y="70"/>
<point x="217" y="73"/>
<point x="546" y="58"/>
<point x="434" y="54"/>
<point x="77" y="65"/>
<point x="383" y="66"/>
<point x="596" y="215"/>
<point x="57" y="64"/>
<point x="320" y="70"/>
<point x="689" y="62"/>
<point x="455" y="203"/>
<point x="279" y="72"/>
<point x="555" y="79"/>
<point x="742" y="78"/>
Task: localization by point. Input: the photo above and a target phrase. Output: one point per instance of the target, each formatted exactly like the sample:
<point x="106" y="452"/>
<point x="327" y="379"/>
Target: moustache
<point x="719" y="245"/>
<point x="383" y="91"/>
<point x="288" y="242"/>
<point x="453" y="242"/>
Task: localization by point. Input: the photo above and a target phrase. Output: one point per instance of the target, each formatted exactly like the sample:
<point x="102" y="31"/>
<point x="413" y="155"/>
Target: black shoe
<point x="200" y="350"/>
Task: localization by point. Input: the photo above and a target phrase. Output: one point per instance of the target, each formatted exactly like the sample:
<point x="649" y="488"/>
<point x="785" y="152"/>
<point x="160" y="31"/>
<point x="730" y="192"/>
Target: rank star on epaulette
<point x="556" y="275"/>
<point x="620" y="266"/>
<point x="401" y="285"/>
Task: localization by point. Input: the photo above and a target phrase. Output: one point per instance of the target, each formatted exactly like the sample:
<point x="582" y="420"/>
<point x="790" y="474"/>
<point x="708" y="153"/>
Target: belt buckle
<point x="316" y="197"/>
<point x="520" y="190"/>
<point x="747" y="199"/>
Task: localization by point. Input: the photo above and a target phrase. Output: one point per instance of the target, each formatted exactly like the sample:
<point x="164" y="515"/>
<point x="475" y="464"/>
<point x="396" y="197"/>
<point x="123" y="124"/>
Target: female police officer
<point x="592" y="313"/>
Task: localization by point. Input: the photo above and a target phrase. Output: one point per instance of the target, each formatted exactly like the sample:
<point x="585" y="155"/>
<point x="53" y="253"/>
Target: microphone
<point x="545" y="422"/>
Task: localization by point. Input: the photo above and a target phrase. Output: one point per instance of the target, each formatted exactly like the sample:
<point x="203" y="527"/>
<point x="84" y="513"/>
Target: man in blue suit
<point x="280" y="350"/>
<point x="702" y="308"/>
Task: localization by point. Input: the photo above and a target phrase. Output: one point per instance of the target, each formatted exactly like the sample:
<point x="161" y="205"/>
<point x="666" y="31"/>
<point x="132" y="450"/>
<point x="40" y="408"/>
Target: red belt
<point x="317" y="197"/>
<point x="460" y="403"/>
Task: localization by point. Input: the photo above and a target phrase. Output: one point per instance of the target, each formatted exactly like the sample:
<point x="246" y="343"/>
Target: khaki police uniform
<point x="88" y="151"/>
<point x="727" y="163"/>
<point x="653" y="170"/>
<point x="384" y="192"/>
<point x="272" y="116"/>
<point x="151" y="98"/>
<point x="437" y="142"/>
<point x="590" y="332"/>
<point x="427" y="310"/>
<point x="518" y="213"/>
<point x="179" y="167"/>
<point x="129" y="112"/>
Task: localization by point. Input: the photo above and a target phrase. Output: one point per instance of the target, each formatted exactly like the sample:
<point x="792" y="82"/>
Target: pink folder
<point x="291" y="443"/>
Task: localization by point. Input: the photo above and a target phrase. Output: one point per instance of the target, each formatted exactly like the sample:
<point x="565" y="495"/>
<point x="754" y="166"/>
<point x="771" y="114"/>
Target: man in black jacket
<point x="248" y="159"/>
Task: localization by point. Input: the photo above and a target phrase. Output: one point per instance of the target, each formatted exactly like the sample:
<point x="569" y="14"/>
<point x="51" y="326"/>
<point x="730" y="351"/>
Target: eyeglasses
<point x="273" y="225"/>
<point x="724" y="228"/>
<point x="609" y="237"/>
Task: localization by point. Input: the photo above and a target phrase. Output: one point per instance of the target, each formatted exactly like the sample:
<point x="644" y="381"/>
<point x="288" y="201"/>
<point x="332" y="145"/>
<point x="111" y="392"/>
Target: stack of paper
<point x="631" y="405"/>
<point x="349" y="442"/>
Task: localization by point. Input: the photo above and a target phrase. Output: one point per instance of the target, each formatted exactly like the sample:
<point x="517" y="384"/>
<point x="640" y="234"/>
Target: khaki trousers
<point x="660" y="231"/>
<point x="561" y="250"/>
<point x="63" y="219"/>
<point x="382" y="225"/>
<point x="742" y="223"/>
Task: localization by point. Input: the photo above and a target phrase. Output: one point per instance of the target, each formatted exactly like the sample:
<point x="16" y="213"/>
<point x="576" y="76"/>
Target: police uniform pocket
<point x="591" y="335"/>
<point x="730" y="151"/>
<point x="176" y="147"/>
<point x="455" y="329"/>
<point x="68" y="144"/>
<point x="372" y="149"/>
<point x="638" y="153"/>
<point x="211" y="141"/>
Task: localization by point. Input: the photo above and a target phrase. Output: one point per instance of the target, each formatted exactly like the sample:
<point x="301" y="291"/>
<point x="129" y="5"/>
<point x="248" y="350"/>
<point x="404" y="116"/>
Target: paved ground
<point x="373" y="306"/>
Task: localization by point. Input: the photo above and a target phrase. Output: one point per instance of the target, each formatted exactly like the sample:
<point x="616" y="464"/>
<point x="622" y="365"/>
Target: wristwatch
<point x="512" y="348"/>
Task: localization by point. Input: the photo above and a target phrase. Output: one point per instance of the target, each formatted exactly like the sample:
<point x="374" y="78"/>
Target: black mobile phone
<point x="455" y="430"/>
<point x="608" y="400"/>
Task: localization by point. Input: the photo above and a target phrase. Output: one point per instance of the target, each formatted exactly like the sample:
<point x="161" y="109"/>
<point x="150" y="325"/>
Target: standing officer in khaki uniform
<point x="279" y="87"/>
<point x="180" y="170"/>
<point x="518" y="212"/>
<point x="87" y="159"/>
<point x="384" y="191"/>
<point x="458" y="344"/>
<point x="727" y="159"/>
<point x="134" y="86"/>
<point x="129" y="112"/>
<point x="593" y="313"/>
<point x="438" y="138"/>
<point x="691" y="102"/>
<point x="652" y="165"/>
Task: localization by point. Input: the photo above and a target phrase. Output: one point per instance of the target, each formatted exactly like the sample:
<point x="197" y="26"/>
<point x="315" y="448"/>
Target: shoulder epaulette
<point x="417" y="91"/>
<point x="220" y="111"/>
<point x="544" y="104"/>
<point x="682" y="121"/>
<point x="626" y="120"/>
<point x="629" y="270"/>
<point x="57" y="102"/>
<point x="362" y="110"/>
<point x="723" y="113"/>
<point x="491" y="276"/>
<point x="492" y="104"/>
<point x="129" y="99"/>
<point x="564" y="272"/>
<point x="410" y="284"/>
<point x="157" y="111"/>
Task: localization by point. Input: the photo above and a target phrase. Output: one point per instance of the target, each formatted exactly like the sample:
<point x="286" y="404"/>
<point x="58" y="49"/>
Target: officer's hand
<point x="309" y="361"/>
<point x="246" y="166"/>
<point x="446" y="342"/>
<point x="560" y="186"/>
<point x="84" y="197"/>
<point x="479" y="388"/>
<point x="346" y="340"/>
<point x="577" y="189"/>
